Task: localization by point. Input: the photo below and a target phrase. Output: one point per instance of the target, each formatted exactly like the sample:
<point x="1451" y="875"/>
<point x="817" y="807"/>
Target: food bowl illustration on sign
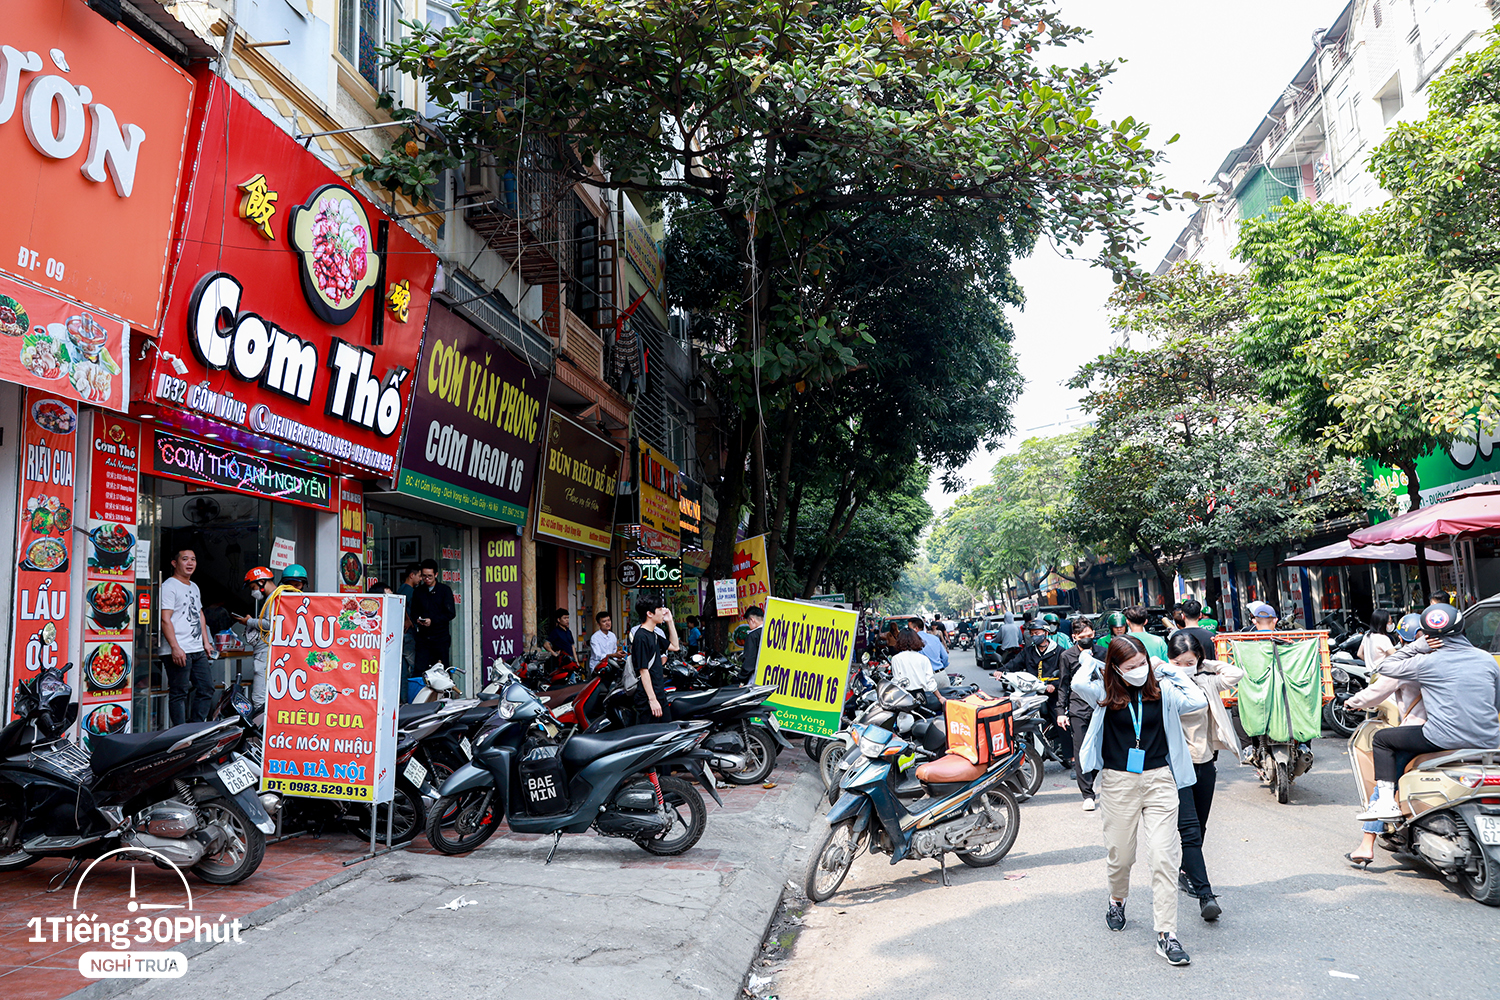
<point x="338" y="263"/>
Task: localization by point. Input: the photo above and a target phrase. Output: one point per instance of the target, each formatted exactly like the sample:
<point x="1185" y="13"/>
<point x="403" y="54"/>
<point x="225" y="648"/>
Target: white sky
<point x="1208" y="71"/>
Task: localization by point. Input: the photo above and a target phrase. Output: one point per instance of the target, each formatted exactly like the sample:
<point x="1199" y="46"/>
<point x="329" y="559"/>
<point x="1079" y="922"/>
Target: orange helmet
<point x="258" y="574"/>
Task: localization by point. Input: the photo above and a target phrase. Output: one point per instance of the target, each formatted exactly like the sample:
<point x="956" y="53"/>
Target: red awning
<point x="1344" y="554"/>
<point x="1474" y="511"/>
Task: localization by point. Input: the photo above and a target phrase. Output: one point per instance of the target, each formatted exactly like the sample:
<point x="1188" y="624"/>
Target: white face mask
<point x="1136" y="676"/>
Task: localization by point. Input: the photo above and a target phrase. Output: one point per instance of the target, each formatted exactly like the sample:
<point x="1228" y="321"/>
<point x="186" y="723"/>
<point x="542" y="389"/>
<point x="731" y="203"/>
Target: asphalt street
<point x="1298" y="921"/>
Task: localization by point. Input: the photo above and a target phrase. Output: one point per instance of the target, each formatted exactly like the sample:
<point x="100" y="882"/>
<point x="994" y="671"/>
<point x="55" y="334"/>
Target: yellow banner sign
<point x="805" y="653"/>
<point x="752" y="577"/>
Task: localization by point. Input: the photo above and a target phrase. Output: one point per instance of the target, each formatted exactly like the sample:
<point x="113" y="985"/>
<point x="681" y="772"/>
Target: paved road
<point x="1033" y="926"/>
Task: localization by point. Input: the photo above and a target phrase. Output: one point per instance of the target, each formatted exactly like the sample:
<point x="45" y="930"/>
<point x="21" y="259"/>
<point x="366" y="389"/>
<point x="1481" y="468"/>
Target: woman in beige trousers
<point x="1135" y="741"/>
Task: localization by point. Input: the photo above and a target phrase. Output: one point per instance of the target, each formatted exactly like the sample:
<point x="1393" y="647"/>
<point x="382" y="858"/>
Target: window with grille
<point x="365" y="26"/>
<point x="584" y="286"/>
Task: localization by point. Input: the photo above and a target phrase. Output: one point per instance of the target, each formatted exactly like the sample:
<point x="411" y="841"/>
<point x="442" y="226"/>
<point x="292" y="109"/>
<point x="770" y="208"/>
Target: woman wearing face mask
<point x="1135" y="740"/>
<point x="1208" y="731"/>
<point x="1377" y="644"/>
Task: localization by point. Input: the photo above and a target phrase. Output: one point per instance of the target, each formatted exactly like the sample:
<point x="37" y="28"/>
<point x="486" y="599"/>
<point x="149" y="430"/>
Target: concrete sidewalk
<point x="604" y="919"/>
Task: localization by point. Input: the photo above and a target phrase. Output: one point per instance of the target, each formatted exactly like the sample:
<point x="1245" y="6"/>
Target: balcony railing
<point x="530" y="218"/>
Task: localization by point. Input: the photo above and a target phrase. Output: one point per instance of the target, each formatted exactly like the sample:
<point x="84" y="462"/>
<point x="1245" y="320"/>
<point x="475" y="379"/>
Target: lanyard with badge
<point x="1135" y="758"/>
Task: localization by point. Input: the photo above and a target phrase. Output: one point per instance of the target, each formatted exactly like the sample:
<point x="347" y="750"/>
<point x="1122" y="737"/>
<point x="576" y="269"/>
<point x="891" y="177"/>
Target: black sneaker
<point x="1168" y="947"/>
<point x="1185" y="884"/>
<point x="1209" y="908"/>
<point x="1114" y="918"/>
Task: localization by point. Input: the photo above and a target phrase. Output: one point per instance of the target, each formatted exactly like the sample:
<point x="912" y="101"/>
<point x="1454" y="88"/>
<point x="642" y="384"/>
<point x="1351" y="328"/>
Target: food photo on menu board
<point x="48" y="342"/>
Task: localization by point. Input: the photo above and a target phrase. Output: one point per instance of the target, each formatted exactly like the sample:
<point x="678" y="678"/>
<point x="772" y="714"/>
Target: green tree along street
<point x="801" y="131"/>
<point x="1379" y="332"/>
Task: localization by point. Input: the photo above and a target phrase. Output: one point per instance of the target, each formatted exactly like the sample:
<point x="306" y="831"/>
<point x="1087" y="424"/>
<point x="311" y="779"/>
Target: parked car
<point x="987" y="646"/>
<point x="1482" y="625"/>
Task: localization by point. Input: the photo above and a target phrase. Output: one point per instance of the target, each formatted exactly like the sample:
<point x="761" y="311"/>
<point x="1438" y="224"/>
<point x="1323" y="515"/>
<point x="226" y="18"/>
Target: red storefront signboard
<point x="109" y="589"/>
<point x="40" y="636"/>
<point x="296" y="307"/>
<point x="331" y="695"/>
<point x="93" y="137"/>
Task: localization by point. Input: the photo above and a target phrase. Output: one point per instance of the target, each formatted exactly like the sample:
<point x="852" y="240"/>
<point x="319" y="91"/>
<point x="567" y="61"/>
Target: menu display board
<point x="40" y="636"/>
<point x="499" y="596"/>
<point x="92" y="153"/>
<point x="109" y="590"/>
<point x="331" y="695"/>
<point x="351" y="536"/>
<point x="60" y="347"/>
<point x="580" y="471"/>
<point x="476" y="423"/>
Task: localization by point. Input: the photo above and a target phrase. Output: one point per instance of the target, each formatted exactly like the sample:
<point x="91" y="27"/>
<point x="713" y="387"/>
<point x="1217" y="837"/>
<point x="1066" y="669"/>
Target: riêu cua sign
<point x="331" y="694"/>
<point x="40" y="636"/>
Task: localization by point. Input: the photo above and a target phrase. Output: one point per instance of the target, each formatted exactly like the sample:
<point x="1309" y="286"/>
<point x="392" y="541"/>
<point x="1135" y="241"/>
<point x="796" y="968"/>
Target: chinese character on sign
<point x="258" y="205"/>
<point x="399" y="298"/>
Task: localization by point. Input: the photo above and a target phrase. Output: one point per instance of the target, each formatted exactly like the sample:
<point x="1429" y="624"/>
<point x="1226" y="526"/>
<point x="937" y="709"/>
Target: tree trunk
<point x="783" y="478"/>
<point x="721" y="564"/>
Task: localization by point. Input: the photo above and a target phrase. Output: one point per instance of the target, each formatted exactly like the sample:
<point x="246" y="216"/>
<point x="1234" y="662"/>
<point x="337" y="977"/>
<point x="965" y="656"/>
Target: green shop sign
<point x="1442" y="473"/>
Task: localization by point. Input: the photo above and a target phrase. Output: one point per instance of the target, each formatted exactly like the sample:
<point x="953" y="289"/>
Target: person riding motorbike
<point x="1054" y="627"/>
<point x="1010" y="640"/>
<point x="912" y="670"/>
<point x="1043" y="657"/>
<point x="1461" y="690"/>
<point x="1407" y="697"/>
<point x="1116" y="624"/>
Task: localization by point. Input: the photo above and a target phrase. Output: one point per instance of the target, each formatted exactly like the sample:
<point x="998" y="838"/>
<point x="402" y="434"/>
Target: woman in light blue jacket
<point x="1136" y="743"/>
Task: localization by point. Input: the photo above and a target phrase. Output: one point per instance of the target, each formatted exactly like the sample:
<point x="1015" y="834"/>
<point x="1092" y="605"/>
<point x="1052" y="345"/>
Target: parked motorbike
<point x="620" y="783"/>
<point x="887" y="706"/>
<point x="184" y="793"/>
<point x="955" y="807"/>
<point x="744" y="737"/>
<point x="1450" y="804"/>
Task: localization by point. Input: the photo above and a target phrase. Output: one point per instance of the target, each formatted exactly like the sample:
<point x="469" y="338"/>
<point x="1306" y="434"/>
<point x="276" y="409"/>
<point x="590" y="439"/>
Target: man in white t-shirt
<point x="603" y="644"/>
<point x="186" y="647"/>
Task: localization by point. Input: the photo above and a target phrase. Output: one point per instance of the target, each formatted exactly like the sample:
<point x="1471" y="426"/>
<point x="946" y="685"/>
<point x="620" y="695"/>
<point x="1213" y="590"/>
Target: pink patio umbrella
<point x="1470" y="512"/>
<point x="1344" y="554"/>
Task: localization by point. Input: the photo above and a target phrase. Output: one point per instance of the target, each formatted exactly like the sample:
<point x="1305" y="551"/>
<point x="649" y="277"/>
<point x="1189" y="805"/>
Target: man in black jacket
<point x="431" y="611"/>
<point x="1077" y="708"/>
<point x="1043" y="657"/>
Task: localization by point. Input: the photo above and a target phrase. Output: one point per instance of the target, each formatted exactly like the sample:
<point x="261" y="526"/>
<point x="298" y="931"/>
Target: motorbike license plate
<point x="415" y="772"/>
<point x="1489" y="829"/>
<point x="467" y="747"/>
<point x="771" y="721"/>
<point x="238" y="775"/>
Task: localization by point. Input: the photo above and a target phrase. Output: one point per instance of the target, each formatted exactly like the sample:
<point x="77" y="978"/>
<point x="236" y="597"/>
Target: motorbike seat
<point x="407" y="714"/>
<point x="585" y="747"/>
<point x="686" y="703"/>
<point x="110" y="751"/>
<point x="949" y="769"/>
<point x="1423" y="758"/>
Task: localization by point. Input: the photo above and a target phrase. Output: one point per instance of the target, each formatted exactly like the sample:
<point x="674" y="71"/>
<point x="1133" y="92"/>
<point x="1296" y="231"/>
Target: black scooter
<point x="184" y="794"/>
<point x="619" y="783"/>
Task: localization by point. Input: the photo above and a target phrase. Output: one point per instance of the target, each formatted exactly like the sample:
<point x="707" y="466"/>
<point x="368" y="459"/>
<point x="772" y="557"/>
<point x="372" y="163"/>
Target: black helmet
<point x="1442" y="619"/>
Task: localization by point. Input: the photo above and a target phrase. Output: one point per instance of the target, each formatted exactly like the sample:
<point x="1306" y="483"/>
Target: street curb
<point x="735" y="929"/>
<point x="105" y="988"/>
